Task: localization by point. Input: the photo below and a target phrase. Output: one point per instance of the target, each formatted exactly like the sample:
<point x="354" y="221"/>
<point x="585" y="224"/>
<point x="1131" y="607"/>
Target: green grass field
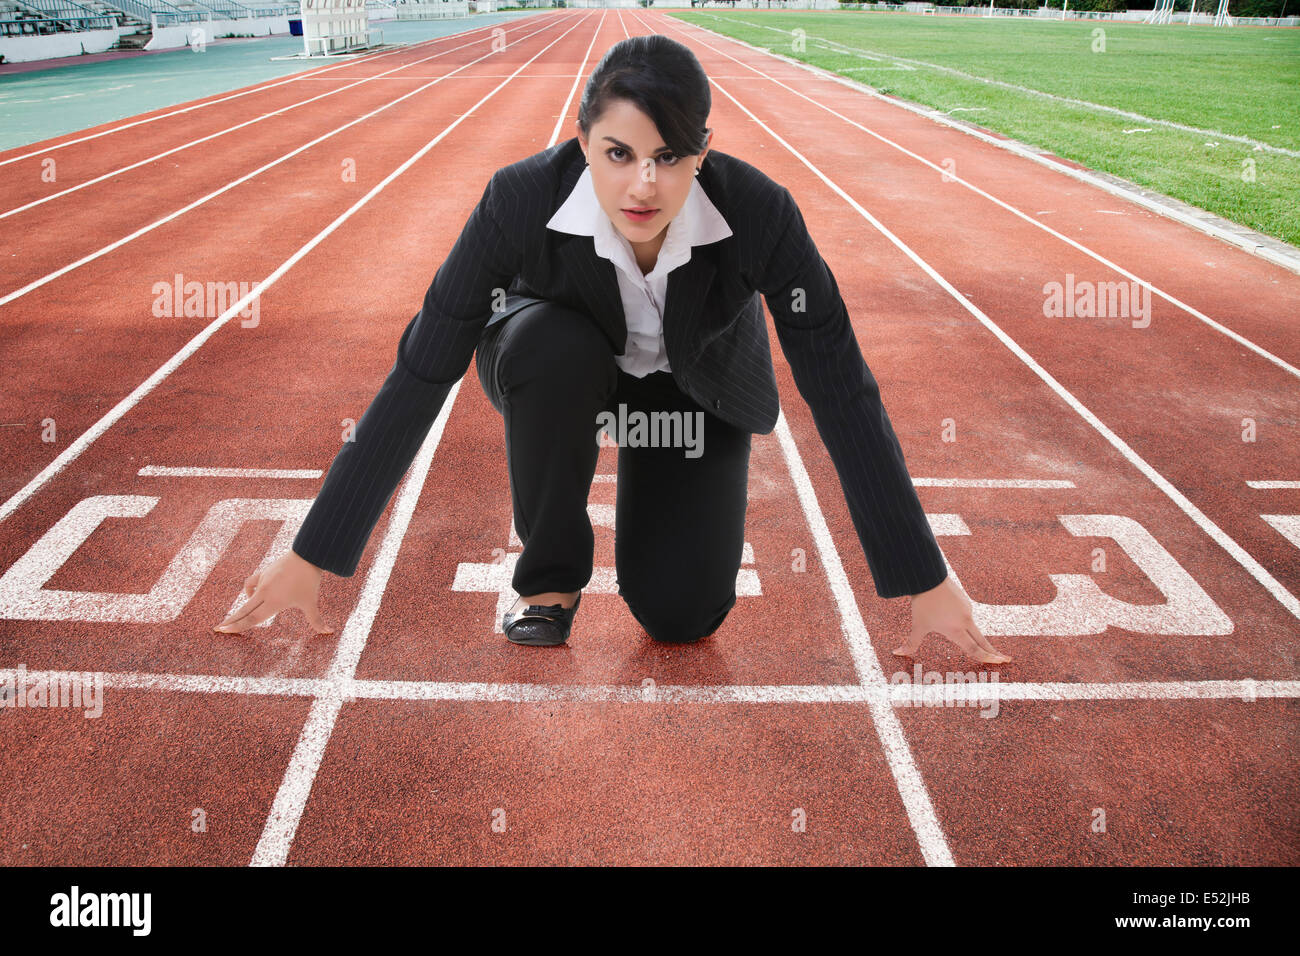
<point x="1241" y="81"/>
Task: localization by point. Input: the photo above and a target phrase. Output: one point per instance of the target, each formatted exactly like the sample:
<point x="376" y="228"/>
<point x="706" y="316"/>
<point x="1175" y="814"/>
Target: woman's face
<point x="632" y="168"/>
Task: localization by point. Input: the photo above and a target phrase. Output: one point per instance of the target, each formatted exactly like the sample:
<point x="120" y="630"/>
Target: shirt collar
<point x="697" y="224"/>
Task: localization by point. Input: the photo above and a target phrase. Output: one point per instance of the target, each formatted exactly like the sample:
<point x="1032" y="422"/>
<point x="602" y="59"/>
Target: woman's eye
<point x="619" y="158"/>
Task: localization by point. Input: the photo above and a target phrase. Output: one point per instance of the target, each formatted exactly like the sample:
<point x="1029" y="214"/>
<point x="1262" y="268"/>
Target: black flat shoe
<point x="540" y="625"/>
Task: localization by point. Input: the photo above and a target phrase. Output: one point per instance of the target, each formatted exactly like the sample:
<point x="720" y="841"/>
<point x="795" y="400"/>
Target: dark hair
<point x="663" y="79"/>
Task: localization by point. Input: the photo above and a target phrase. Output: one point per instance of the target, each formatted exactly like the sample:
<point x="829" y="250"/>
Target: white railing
<point x="431" y="10"/>
<point x="334" y="26"/>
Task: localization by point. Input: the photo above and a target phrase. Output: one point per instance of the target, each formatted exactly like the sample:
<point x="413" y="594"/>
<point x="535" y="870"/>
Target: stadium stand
<point x="37" y="17"/>
<point x="135" y="18"/>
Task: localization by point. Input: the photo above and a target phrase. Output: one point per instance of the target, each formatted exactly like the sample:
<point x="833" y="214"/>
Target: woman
<point x="614" y="275"/>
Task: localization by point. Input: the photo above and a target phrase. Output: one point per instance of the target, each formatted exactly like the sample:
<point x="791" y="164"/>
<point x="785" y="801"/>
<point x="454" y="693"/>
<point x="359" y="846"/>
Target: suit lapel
<point x="594" y="281"/>
<point x="687" y="285"/>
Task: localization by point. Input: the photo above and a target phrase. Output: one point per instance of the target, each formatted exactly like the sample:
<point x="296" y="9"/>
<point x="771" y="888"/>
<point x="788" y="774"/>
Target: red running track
<point x="1124" y="561"/>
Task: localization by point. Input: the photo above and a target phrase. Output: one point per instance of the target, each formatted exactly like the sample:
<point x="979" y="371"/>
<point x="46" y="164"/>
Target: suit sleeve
<point x="433" y="354"/>
<point x="817" y="338"/>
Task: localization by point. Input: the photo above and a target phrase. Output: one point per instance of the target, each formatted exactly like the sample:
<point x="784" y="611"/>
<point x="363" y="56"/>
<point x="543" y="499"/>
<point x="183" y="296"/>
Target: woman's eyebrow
<point x="661" y="149"/>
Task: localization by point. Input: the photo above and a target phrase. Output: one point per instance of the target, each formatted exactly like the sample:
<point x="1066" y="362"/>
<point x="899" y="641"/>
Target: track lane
<point x="39" y="241"/>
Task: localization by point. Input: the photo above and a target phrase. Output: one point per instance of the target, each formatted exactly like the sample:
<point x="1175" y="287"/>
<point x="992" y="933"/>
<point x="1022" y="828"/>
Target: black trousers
<point x="680" y="511"/>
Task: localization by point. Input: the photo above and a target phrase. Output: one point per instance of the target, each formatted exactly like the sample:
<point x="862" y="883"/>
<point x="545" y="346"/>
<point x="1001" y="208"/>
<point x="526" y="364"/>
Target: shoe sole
<point x="551" y="635"/>
<point x="536" y="641"/>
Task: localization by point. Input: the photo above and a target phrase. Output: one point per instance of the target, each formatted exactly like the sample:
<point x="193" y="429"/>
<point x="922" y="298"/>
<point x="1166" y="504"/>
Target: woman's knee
<point x="680" y="621"/>
<point x="551" y="342"/>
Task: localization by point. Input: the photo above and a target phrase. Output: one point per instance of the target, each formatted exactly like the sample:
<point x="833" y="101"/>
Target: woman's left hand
<point x="946" y="610"/>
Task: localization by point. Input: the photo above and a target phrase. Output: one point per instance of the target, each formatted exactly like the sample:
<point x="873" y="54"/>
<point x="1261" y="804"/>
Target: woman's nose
<point x="642" y="191"/>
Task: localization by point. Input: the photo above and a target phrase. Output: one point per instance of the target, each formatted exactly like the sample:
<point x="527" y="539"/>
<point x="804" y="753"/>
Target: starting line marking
<point x="351" y="690"/>
<point x="165" y="471"/>
<point x="1031" y="483"/>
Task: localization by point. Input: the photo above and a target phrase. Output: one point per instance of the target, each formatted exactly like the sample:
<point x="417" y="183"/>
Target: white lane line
<point x="225" y="99"/>
<point x="1075" y="244"/>
<point x="177" y="683"/>
<point x="175" y="471"/>
<point x="1028" y="483"/>
<point x="36" y="284"/>
<point x="1220" y="537"/>
<point x="911" y="787"/>
<point x="1085" y="104"/>
<point x="560" y="120"/>
<point x="230" y="129"/>
<point x="481" y="692"/>
<point x="295" y="788"/>
<point x="483" y="76"/>
<point x="1245" y="689"/>
<point x="291" y="799"/>
<point x="1273" y="484"/>
<point x="84" y="441"/>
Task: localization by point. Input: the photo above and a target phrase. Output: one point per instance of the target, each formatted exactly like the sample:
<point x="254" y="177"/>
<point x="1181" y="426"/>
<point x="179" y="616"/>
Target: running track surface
<point x="1096" y="487"/>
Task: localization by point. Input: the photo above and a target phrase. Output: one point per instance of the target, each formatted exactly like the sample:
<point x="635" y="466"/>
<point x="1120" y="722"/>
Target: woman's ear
<point x="704" y="152"/>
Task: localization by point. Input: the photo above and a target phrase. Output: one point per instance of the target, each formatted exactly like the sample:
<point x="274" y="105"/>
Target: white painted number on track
<point x="1081" y="607"/>
<point x="1287" y="525"/>
<point x="23" y="595"/>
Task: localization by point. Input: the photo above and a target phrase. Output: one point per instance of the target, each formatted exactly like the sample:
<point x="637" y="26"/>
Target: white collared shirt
<point x="697" y="224"/>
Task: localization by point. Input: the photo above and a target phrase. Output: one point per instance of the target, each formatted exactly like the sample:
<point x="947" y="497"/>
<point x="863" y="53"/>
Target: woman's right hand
<point x="288" y="581"/>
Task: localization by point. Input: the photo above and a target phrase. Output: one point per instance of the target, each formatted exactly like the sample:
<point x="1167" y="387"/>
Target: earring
<point x="697" y="170"/>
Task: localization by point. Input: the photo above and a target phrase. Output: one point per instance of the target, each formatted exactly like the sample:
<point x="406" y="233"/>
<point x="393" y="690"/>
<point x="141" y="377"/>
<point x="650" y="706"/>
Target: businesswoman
<point x="613" y="275"/>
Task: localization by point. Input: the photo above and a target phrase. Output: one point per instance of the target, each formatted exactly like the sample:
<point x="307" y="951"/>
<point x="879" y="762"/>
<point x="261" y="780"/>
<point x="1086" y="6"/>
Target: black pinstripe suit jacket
<point x="714" y="330"/>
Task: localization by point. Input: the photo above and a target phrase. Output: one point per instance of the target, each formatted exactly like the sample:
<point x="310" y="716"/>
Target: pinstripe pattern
<point x="714" y="330"/>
